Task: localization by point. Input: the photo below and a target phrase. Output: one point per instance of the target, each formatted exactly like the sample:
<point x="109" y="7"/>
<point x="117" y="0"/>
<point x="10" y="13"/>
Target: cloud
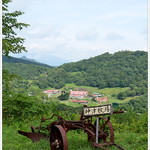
<point x="88" y="35"/>
<point x="44" y="31"/>
<point x="114" y="36"/>
<point x="76" y="30"/>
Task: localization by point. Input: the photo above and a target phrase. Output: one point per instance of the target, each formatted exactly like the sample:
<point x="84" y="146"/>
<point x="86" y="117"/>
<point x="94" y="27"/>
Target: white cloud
<point x="89" y="35"/>
<point x="77" y="29"/>
<point x="114" y="36"/>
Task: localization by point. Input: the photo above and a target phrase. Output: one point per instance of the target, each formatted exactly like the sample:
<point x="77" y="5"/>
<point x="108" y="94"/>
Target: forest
<point x="121" y="69"/>
<point x="121" y="76"/>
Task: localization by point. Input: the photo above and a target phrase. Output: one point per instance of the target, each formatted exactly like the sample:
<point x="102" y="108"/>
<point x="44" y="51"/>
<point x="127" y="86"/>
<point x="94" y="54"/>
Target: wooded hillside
<point x="10" y="59"/>
<point x="121" y="69"/>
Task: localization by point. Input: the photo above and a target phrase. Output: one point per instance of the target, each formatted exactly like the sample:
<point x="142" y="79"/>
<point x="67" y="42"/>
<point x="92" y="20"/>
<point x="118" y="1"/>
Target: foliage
<point x="139" y="104"/>
<point x="17" y="107"/>
<point x="110" y="70"/>
<point x="137" y="89"/>
<point x="7" y="78"/>
<point x="56" y="78"/>
<point x="64" y="96"/>
<point x="11" y="43"/>
<point x="131" y="121"/>
<point x="28" y="72"/>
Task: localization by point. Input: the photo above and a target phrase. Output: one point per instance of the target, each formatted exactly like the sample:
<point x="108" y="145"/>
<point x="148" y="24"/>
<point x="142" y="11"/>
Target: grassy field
<point x="108" y="91"/>
<point x="77" y="140"/>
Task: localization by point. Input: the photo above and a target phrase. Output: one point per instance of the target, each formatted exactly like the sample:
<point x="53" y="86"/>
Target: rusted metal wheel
<point x="106" y="131"/>
<point x="58" y="138"/>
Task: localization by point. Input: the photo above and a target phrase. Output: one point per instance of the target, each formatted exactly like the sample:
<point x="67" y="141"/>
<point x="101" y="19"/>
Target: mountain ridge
<point x="24" y="60"/>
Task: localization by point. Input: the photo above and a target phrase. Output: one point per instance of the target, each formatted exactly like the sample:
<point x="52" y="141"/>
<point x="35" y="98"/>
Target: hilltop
<point x="23" y="60"/>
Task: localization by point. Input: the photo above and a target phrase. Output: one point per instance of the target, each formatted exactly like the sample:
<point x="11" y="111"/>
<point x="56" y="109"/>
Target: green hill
<point x="121" y="69"/>
<point x="24" y="60"/>
<point x="110" y="70"/>
<point x="25" y="68"/>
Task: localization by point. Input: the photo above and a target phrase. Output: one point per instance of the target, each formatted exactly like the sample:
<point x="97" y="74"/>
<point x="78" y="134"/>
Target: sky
<point x="72" y="30"/>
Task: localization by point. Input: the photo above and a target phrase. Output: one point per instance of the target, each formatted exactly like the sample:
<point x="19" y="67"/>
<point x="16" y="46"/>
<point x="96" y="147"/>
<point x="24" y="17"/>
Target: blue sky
<point x="79" y="29"/>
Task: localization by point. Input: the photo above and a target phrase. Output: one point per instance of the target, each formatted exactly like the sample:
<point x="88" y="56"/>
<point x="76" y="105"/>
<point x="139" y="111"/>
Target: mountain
<point x="54" y="60"/>
<point x="24" y="60"/>
<point x="28" y="59"/>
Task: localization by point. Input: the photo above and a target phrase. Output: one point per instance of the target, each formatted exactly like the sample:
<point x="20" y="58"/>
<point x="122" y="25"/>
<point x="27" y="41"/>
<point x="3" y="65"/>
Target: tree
<point x="121" y="95"/>
<point x="14" y="44"/>
<point x="11" y="43"/>
<point x="63" y="96"/>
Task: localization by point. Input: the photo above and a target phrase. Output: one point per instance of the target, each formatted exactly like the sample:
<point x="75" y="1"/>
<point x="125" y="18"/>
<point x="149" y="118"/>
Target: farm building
<point x="78" y="94"/>
<point x="101" y="99"/>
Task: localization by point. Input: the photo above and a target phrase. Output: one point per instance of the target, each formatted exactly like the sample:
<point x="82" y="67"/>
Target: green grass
<point x="77" y="140"/>
<point x="110" y="91"/>
<point x="105" y="91"/>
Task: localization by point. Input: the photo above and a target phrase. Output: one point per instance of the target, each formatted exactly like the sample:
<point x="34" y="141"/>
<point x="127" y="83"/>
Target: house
<point x="78" y="94"/>
<point x="101" y="99"/>
<point x="80" y="101"/>
<point x="52" y="92"/>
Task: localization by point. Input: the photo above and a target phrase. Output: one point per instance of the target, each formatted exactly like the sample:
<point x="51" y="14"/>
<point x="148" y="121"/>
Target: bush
<point x="18" y="107"/>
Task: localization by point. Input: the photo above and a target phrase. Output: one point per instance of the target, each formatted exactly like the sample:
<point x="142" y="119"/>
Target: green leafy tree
<point x="11" y="43"/>
<point x="121" y="95"/>
<point x="12" y="103"/>
<point x="64" y="96"/>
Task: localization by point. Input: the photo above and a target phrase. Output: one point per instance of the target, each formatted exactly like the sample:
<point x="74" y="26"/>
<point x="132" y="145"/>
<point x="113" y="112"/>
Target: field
<point x="76" y="139"/>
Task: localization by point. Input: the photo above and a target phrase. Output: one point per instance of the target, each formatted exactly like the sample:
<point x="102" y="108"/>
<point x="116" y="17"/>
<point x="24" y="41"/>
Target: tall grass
<point x="77" y="140"/>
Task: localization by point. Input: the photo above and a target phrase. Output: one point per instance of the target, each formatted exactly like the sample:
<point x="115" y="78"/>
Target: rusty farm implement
<point x="100" y="132"/>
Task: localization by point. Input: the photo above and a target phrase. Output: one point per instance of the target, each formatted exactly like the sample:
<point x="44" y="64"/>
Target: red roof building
<point x="101" y="99"/>
<point x="78" y="94"/>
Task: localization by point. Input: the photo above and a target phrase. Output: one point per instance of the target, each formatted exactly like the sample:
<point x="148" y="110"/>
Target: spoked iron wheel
<point x="106" y="132"/>
<point x="58" y="138"/>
